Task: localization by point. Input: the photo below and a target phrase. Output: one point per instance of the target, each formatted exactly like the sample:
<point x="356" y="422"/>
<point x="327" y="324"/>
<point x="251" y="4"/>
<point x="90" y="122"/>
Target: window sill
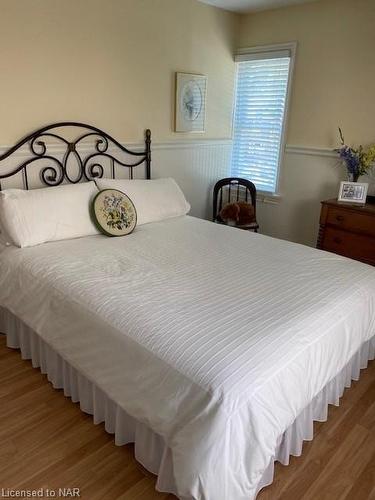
<point x="269" y="198"/>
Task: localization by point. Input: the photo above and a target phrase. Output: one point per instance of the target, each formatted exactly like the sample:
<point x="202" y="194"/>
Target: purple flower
<point x="351" y="159"/>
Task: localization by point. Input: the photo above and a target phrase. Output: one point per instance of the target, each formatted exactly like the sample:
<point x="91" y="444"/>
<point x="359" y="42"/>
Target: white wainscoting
<point x="196" y="167"/>
<point x="308" y="176"/>
<point x="195" y="164"/>
<point x="305" y="180"/>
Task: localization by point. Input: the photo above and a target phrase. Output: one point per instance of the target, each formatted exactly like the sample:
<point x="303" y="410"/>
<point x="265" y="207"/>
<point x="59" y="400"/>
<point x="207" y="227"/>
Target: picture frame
<point x="353" y="192"/>
<point x="190" y="105"/>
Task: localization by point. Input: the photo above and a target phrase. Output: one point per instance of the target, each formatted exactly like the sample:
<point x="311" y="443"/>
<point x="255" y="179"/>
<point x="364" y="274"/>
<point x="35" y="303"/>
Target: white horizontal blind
<point x="261" y="93"/>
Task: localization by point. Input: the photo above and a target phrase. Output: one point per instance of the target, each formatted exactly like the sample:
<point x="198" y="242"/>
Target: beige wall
<point x="335" y="67"/>
<point x="111" y="63"/>
<point x="333" y="85"/>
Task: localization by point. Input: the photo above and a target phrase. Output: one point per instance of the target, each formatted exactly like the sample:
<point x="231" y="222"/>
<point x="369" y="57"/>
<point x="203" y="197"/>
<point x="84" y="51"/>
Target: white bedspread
<point x="215" y="338"/>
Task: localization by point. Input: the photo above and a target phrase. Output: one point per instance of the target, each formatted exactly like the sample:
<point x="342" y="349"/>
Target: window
<point x="262" y="88"/>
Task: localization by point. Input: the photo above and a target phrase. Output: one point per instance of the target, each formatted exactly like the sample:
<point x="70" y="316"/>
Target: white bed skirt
<point x="150" y="449"/>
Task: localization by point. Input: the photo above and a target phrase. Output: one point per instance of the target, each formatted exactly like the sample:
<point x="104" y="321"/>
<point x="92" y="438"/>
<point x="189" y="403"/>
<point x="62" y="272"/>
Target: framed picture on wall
<point x="353" y="192"/>
<point x="190" y="102"/>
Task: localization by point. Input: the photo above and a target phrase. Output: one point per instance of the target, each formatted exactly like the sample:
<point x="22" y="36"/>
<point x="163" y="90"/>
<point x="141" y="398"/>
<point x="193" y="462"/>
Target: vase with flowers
<point x="357" y="161"/>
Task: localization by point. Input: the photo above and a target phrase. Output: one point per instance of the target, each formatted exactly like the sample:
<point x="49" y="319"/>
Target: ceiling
<point x="252" y="5"/>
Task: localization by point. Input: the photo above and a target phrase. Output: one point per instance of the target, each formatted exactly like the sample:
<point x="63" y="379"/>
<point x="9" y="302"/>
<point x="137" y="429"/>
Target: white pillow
<point x="29" y="218"/>
<point x="154" y="200"/>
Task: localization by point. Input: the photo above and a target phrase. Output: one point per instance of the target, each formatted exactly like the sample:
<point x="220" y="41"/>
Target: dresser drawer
<point x="352" y="245"/>
<point x="350" y="220"/>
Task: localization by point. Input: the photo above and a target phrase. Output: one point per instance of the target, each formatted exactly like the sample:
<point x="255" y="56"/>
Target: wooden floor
<point x="47" y="442"/>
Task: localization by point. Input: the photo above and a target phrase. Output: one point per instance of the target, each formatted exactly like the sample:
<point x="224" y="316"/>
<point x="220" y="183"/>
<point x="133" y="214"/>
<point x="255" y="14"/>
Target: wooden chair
<point x="230" y="190"/>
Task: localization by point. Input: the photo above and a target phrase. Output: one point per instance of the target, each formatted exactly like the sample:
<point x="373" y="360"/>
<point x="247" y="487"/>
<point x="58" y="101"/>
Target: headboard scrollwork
<point x="55" y="155"/>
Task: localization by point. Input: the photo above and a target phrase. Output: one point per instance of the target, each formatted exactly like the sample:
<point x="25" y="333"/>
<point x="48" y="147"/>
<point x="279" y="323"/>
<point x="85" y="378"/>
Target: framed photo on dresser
<point x="353" y="192"/>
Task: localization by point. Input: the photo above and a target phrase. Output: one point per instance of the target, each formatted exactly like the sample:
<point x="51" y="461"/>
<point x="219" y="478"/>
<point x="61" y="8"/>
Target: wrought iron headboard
<point x="55" y="168"/>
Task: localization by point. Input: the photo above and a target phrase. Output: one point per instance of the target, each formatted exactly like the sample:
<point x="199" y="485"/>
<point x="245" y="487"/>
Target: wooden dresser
<point x="348" y="229"/>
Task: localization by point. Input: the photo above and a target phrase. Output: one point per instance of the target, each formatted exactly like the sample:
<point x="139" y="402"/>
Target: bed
<point x="212" y="349"/>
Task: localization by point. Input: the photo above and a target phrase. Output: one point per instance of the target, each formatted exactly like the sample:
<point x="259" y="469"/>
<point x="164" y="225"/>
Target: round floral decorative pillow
<point x="114" y="213"/>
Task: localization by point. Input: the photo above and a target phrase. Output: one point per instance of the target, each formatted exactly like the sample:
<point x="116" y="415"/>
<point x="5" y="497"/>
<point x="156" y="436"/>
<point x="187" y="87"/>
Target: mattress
<point x="214" y="338"/>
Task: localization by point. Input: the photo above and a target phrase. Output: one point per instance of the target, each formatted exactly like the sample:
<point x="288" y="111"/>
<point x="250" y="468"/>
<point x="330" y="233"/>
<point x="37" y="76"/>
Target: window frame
<point x="269" y="51"/>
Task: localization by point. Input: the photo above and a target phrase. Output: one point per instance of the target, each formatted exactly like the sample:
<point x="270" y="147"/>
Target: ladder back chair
<point x="232" y="190"/>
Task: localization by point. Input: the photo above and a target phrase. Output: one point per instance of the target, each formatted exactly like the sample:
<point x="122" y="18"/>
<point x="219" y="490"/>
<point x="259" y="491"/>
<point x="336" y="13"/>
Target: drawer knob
<point x="339" y="217"/>
<point x="336" y="239"/>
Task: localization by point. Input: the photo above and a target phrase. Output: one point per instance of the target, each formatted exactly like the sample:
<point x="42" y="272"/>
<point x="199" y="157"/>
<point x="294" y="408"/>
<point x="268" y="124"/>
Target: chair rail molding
<point x="191" y="143"/>
<point x="310" y="151"/>
<point x="181" y="144"/>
